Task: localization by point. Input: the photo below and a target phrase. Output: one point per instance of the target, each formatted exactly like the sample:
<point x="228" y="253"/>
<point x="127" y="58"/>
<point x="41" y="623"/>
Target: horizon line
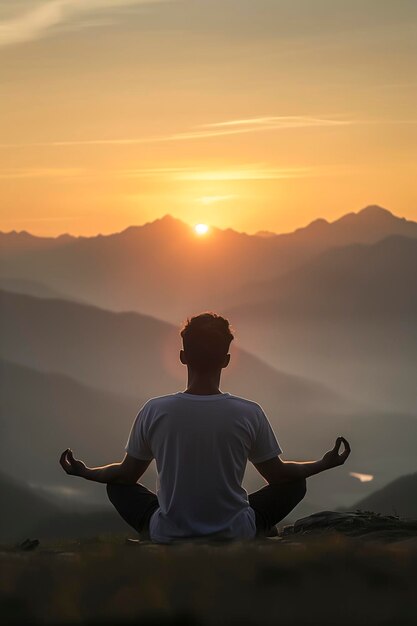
<point x="257" y="233"/>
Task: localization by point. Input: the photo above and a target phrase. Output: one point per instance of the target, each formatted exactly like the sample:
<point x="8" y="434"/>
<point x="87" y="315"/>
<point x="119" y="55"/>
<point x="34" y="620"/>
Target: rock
<point x="29" y="544"/>
<point x="355" y="524"/>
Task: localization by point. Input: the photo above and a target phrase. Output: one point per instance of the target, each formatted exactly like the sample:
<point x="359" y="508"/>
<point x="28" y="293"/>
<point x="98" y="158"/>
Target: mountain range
<point x="133" y="354"/>
<point x="396" y="498"/>
<point x="357" y="282"/>
<point x="335" y="302"/>
<point x="163" y="269"/>
<point x="26" y="513"/>
<point x="347" y="318"/>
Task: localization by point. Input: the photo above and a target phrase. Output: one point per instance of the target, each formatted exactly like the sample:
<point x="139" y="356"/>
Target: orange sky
<point x="253" y="115"/>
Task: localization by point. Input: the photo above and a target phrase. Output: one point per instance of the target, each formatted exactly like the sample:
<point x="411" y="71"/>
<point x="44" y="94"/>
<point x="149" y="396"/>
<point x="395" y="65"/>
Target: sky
<point x="249" y="114"/>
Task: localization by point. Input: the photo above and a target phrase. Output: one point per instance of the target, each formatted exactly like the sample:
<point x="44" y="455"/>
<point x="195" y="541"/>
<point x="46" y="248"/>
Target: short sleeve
<point x="137" y="444"/>
<point x="265" y="445"/>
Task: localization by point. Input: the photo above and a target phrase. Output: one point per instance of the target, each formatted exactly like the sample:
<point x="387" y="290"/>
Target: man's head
<point x="206" y="339"/>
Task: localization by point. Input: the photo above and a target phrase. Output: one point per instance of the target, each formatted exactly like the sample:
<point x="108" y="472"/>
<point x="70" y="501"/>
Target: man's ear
<point x="183" y="358"/>
<point x="226" y="361"/>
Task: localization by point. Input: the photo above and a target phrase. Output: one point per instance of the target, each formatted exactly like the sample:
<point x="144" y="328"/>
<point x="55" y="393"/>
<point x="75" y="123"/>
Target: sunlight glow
<point x="201" y="229"/>
<point x="363" y="478"/>
<point x="213" y="199"/>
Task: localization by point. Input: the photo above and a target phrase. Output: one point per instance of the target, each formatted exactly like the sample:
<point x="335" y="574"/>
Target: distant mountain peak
<point x="320" y="222"/>
<point x="166" y="220"/>
<point x="314" y="226"/>
<point x="372" y="216"/>
<point x="374" y="210"/>
<point x="369" y="225"/>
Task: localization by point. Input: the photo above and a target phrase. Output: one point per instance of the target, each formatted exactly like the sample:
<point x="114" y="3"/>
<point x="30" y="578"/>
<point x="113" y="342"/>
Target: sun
<point x="201" y="229"/>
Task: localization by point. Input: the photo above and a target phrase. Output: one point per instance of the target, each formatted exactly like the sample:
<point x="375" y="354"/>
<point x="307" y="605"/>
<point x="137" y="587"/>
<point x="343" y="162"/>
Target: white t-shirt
<point x="201" y="445"/>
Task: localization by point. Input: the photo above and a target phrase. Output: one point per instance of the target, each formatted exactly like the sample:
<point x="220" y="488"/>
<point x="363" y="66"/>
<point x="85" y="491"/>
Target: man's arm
<point x="126" y="472"/>
<point x="276" y="471"/>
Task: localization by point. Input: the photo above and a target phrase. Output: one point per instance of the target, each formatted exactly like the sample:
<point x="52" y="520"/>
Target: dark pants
<point x="136" y="504"/>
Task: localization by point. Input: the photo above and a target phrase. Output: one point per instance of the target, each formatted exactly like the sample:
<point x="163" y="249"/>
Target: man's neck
<point x="203" y="384"/>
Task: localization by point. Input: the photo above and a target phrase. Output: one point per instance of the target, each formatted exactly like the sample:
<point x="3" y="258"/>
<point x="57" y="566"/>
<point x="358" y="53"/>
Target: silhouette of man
<point x="201" y="439"/>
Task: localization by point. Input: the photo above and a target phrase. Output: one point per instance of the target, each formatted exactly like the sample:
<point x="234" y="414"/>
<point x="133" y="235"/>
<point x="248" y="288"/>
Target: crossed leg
<point x="273" y="502"/>
<point x="135" y="504"/>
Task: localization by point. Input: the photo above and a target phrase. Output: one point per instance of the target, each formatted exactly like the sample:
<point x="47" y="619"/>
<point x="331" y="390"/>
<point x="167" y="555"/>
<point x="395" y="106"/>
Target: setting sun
<point x="201" y="229"/>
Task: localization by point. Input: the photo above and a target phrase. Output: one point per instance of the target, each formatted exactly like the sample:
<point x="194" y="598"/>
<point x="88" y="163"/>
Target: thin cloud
<point x="41" y="173"/>
<point x="255" y="125"/>
<point x="280" y="121"/>
<point x="214" y="199"/>
<point x="243" y="122"/>
<point x="251" y="173"/>
<point x="151" y="172"/>
<point x="39" y="20"/>
<point x="218" y="129"/>
<point x="243" y="172"/>
<point x="54" y="218"/>
<point x="246" y="172"/>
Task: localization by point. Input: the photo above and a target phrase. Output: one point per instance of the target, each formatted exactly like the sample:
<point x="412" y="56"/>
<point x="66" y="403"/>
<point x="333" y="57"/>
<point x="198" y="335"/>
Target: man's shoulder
<point x="157" y="401"/>
<point x="246" y="402"/>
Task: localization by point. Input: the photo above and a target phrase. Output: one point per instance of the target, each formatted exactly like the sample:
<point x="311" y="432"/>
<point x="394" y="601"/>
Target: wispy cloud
<point x="239" y="172"/>
<point x="219" y="129"/>
<point x="242" y="172"/>
<point x="278" y="121"/>
<point x="214" y="199"/>
<point x="53" y="218"/>
<point x="254" y="125"/>
<point x="37" y="172"/>
<point x="43" y="16"/>
<point x="206" y="131"/>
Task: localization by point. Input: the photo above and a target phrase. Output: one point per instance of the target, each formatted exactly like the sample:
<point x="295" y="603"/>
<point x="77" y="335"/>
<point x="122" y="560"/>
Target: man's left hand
<point x="334" y="457"/>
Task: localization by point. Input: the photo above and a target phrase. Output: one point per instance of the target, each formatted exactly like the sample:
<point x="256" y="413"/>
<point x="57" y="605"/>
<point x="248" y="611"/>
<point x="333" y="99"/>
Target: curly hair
<point x="206" y="339"/>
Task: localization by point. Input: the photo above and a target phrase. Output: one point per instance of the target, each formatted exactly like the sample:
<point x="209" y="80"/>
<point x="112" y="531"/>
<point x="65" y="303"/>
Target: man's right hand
<point x="72" y="466"/>
<point x="334" y="457"/>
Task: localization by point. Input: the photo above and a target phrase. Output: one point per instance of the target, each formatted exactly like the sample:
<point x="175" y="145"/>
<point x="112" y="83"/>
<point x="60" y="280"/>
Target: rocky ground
<point x="328" y="569"/>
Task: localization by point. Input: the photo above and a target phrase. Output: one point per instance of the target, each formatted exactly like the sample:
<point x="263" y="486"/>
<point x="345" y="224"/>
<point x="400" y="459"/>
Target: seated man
<point x="201" y="439"/>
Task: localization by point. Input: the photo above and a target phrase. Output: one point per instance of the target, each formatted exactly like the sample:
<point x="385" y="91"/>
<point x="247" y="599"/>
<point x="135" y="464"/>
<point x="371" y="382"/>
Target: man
<point x="201" y="440"/>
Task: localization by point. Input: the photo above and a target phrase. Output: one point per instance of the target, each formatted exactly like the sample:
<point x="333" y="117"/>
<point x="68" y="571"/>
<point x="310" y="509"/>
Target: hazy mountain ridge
<point x="132" y="354"/>
<point x="21" y="509"/>
<point x="351" y="281"/>
<point x="369" y="225"/>
<point x="162" y="268"/>
<point x="30" y="288"/>
<point x="26" y="513"/>
<point x="396" y="498"/>
<point x="346" y="318"/>
<point x="21" y="242"/>
<point x="43" y="413"/>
